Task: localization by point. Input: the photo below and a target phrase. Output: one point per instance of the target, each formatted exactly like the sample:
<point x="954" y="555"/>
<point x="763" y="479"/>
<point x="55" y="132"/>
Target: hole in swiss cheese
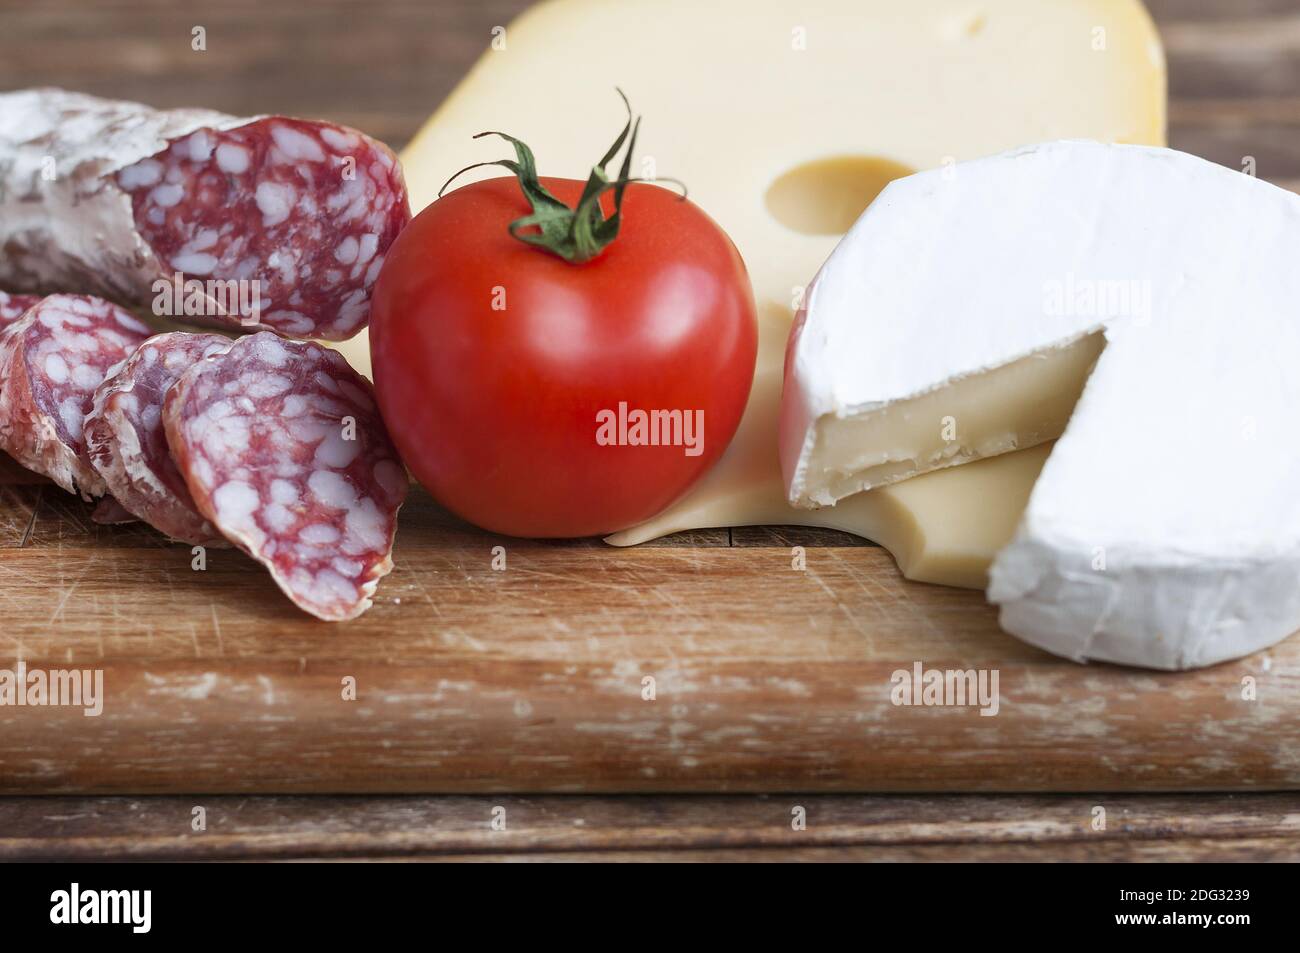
<point x="826" y="196"/>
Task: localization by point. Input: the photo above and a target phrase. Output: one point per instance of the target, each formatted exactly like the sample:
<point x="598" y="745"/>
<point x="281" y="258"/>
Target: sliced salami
<point x="13" y="307"/>
<point x="126" y="442"/>
<point x="109" y="512"/>
<point x="269" y="222"/>
<point x="51" y="361"/>
<point x="283" y="449"/>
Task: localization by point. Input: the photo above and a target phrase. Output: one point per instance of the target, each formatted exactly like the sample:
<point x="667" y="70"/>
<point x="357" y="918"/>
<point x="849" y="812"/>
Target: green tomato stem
<point x="576" y="234"/>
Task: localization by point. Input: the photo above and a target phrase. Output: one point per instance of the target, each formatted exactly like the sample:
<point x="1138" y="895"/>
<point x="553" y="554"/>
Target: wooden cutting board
<point x="531" y="678"/>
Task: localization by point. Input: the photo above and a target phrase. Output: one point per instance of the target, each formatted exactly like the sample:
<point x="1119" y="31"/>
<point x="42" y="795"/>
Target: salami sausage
<point x="265" y="223"/>
<point x="126" y="443"/>
<point x="109" y="512"/>
<point x="51" y="361"/>
<point x="283" y="450"/>
<point x="13" y="307"/>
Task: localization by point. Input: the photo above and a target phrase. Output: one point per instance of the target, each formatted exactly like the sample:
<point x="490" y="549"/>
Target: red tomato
<point x="493" y="359"/>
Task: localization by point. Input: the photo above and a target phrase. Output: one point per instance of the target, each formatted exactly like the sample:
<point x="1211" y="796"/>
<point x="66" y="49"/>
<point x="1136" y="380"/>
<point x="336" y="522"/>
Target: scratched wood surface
<point x="531" y="678"/>
<point x="1254" y="827"/>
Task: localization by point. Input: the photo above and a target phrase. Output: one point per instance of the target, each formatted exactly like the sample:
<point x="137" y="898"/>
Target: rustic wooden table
<point x="383" y="66"/>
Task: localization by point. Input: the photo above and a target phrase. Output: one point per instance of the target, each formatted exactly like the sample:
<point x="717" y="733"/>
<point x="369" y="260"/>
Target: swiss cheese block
<point x="1165" y="527"/>
<point x="784" y="119"/>
<point x="942" y="528"/>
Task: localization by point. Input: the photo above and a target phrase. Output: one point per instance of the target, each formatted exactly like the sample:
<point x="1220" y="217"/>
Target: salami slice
<point x="270" y="222"/>
<point x="283" y="449"/>
<point x="126" y="442"/>
<point x="51" y="361"/>
<point x="109" y="512"/>
<point x="13" y="307"/>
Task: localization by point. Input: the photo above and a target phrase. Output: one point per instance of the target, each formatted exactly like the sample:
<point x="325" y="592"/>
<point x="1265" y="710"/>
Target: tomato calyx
<point x="575" y="234"/>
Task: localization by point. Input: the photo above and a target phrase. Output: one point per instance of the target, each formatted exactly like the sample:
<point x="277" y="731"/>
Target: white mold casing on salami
<point x="108" y="197"/>
<point x="51" y="361"/>
<point x="283" y="449"/>
<point x="127" y="445"/>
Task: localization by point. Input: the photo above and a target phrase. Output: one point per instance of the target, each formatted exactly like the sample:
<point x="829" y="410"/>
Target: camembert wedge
<point x="1164" y="529"/>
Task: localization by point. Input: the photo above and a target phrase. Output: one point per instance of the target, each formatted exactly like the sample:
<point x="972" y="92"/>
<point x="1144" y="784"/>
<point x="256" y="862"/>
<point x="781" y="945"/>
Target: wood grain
<point x="471" y="679"/>
<point x="531" y="678"/>
<point x="720" y="828"/>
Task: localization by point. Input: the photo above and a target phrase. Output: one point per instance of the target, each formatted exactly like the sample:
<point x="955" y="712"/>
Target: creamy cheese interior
<point x="1013" y="407"/>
